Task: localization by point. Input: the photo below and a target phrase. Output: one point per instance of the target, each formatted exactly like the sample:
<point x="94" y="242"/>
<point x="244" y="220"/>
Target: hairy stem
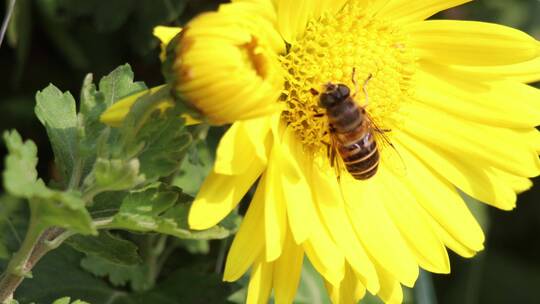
<point x="35" y="245"/>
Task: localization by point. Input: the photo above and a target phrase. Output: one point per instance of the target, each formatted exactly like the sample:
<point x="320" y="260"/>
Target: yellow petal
<point x="374" y="7"/>
<point x="115" y="114"/>
<point x="293" y="16"/>
<point x="275" y="211"/>
<point x="328" y="7"/>
<point x="332" y="211"/>
<point x="413" y="224"/>
<point x="219" y="194"/>
<point x="486" y="145"/>
<point x="349" y="291"/>
<point x="452" y="242"/>
<point x="471" y="43"/>
<point x="526" y="72"/>
<point x="244" y="142"/>
<point x="248" y="242"/>
<point x="325" y="255"/>
<point x="407" y="11"/>
<point x="486" y="102"/>
<point x="287" y="271"/>
<point x="518" y="183"/>
<point x="472" y="179"/>
<point x="296" y="190"/>
<point x="165" y="34"/>
<point x="442" y="203"/>
<point x="236" y="41"/>
<point x="376" y="230"/>
<point x="391" y="292"/>
<point x="260" y="283"/>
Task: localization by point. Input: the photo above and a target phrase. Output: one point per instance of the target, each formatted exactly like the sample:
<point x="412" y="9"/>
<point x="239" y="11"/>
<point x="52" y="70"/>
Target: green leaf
<point x="198" y="286"/>
<point x="62" y="209"/>
<point x="119" y="275"/>
<point x="13" y="224"/>
<point x="119" y="84"/>
<point x="51" y="207"/>
<point x="67" y="300"/>
<point x="106" y="204"/>
<point x="92" y="105"/>
<point x="57" y="112"/>
<point x="116" y="85"/>
<point x="20" y="174"/>
<point x="194" y="169"/>
<point x="107" y="246"/>
<point x="115" y="174"/>
<point x="165" y="144"/>
<point x="163" y="210"/>
<point x="59" y="274"/>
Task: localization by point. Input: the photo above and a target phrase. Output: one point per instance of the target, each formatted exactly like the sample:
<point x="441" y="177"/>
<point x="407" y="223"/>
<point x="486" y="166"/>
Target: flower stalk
<point x="36" y="244"/>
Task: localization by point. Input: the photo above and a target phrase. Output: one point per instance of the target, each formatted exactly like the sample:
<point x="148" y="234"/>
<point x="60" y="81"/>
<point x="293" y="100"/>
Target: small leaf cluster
<point x="118" y="201"/>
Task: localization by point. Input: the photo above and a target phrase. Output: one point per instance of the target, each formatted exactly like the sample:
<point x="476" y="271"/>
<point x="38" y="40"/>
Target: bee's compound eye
<point x="343" y="91"/>
<point x="326" y="100"/>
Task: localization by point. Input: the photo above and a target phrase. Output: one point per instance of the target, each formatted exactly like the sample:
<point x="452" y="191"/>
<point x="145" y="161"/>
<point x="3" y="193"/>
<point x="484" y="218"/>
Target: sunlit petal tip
<point x="416" y="10"/>
<point x="212" y="204"/>
<point x="248" y="244"/>
<point x="199" y="218"/>
<point x="166" y="33"/>
<point x="472" y="43"/>
<point x="115" y="114"/>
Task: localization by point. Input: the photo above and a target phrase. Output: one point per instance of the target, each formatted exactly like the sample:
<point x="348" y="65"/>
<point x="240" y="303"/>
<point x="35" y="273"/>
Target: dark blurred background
<point x="59" y="41"/>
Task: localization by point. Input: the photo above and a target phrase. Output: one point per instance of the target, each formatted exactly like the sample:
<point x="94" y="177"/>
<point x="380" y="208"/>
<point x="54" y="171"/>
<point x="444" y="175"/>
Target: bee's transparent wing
<point x="389" y="155"/>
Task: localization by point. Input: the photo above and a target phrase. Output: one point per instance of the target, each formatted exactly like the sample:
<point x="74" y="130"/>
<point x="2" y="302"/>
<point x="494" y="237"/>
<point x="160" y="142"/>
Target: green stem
<point x="155" y="246"/>
<point x="223" y="246"/>
<point x="6" y="20"/>
<point x="75" y="178"/>
<point x="36" y="244"/>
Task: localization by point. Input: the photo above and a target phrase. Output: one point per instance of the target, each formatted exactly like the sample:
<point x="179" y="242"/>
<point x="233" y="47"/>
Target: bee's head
<point x="334" y="94"/>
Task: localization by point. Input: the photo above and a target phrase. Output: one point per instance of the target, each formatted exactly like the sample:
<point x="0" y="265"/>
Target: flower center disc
<point x="332" y="46"/>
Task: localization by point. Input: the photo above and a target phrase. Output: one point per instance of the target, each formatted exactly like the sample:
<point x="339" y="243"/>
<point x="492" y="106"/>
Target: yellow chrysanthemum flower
<point x="452" y="93"/>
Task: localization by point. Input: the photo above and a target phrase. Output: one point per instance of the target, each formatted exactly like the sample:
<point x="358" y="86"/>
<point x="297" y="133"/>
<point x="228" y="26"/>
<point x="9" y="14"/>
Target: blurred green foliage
<point x="59" y="41"/>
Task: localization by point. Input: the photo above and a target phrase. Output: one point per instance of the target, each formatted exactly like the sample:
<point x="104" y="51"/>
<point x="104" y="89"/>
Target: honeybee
<point x="352" y="132"/>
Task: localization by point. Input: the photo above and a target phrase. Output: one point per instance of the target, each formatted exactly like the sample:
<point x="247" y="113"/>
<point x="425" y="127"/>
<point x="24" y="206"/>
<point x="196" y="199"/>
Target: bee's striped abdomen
<point x="361" y="157"/>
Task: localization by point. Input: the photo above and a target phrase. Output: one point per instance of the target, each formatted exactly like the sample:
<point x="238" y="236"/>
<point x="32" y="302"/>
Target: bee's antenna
<point x="364" y="88"/>
<point x="353" y="76"/>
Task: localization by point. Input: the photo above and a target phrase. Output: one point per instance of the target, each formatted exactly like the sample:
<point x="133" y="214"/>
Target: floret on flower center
<point x="327" y="52"/>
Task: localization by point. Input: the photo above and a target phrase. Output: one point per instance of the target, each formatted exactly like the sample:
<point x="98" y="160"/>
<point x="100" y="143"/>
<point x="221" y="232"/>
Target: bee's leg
<point x="332" y="156"/>
<point x="330" y="153"/>
<point x="364" y="88"/>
